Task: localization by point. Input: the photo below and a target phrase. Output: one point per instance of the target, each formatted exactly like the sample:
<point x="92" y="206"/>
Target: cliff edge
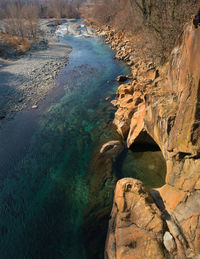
<point x="164" y="103"/>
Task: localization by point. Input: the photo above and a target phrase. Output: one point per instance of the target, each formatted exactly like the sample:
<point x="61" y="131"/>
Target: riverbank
<point x="161" y="104"/>
<point x="27" y="80"/>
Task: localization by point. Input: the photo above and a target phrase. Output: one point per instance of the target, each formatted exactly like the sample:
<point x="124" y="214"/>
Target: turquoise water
<point x="148" y="167"/>
<point x="45" y="153"/>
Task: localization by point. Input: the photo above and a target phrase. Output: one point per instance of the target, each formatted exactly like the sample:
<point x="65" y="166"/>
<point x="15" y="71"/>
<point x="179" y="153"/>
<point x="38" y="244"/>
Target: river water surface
<point x="45" y="155"/>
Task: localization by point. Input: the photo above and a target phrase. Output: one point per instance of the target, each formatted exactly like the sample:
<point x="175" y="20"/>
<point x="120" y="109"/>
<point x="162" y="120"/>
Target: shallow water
<point x="45" y="154"/>
<point x="148" y="166"/>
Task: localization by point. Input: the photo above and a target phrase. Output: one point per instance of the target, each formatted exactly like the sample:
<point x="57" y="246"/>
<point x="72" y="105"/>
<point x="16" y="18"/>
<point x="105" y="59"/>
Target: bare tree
<point x="158" y="22"/>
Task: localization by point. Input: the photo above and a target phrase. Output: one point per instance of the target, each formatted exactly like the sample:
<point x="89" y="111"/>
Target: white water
<point x="76" y="29"/>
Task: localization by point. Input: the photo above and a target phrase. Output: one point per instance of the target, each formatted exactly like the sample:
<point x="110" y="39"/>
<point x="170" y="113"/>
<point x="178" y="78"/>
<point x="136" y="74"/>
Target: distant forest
<point x="41" y="8"/>
<point x="155" y="23"/>
<point x="20" y="18"/>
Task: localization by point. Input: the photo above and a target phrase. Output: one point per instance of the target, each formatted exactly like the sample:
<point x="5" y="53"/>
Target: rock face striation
<point x="164" y="103"/>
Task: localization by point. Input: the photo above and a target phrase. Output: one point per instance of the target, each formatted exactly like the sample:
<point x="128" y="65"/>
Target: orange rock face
<point x="136" y="227"/>
<point x="165" y="103"/>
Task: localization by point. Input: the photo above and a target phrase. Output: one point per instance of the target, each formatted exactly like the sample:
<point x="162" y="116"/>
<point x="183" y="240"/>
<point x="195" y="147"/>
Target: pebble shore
<point x="28" y="79"/>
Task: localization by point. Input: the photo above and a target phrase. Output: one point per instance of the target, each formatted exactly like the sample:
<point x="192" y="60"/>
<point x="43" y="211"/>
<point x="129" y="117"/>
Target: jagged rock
<point x="131" y="112"/>
<point x="172" y="197"/>
<point x="165" y="103"/>
<point x="169" y="242"/>
<point x="168" y="110"/>
<point x="137" y="122"/>
<point x="135" y="229"/>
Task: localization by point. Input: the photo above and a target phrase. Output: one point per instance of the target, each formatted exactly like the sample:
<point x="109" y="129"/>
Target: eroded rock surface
<point x="164" y="102"/>
<point x="136" y="226"/>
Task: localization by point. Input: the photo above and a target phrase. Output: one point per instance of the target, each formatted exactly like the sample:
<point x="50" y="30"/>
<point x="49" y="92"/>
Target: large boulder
<point x="136" y="227"/>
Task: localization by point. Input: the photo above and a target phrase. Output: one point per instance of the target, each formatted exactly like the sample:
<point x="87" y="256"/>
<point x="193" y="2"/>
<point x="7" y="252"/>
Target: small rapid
<point x="77" y="29"/>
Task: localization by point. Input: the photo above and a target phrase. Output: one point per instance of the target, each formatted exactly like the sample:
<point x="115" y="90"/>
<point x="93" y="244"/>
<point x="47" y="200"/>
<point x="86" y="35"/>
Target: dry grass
<point x="21" y="45"/>
<point x="156" y="24"/>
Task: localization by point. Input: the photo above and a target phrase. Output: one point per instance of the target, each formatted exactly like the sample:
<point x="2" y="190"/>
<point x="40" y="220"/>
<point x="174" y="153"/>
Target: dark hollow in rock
<point x="121" y="78"/>
<point x="196" y="20"/>
<point x="144" y="161"/>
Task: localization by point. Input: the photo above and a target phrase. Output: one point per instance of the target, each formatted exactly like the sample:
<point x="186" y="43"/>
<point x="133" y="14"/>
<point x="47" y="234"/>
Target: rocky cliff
<point x="164" y="103"/>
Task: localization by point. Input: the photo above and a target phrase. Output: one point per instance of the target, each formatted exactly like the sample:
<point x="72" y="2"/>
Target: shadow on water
<point x="144" y="161"/>
<point x="45" y="158"/>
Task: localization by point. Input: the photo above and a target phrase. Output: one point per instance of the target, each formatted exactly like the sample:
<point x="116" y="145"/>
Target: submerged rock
<point x="114" y="103"/>
<point x="112" y="148"/>
<point x="101" y="180"/>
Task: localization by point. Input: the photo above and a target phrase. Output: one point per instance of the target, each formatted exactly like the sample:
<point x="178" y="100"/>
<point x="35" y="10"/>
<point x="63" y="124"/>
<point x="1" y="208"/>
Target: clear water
<point x="45" y="153"/>
<point x="149" y="167"/>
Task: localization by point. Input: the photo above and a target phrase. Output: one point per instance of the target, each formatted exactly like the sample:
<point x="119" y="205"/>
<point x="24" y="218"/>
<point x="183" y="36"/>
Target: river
<point x="45" y="155"/>
<point x="47" y="152"/>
